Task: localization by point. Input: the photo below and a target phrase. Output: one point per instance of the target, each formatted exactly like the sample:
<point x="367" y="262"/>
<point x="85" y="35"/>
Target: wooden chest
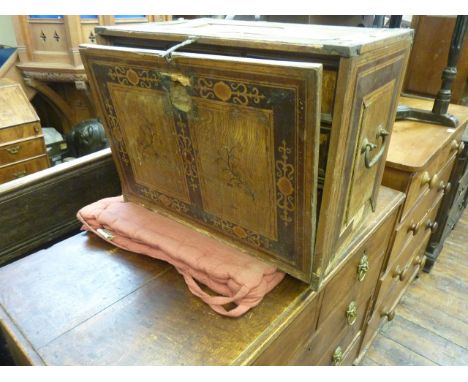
<point x="85" y="302"/>
<point x="22" y="148"/>
<point x="270" y="137"/>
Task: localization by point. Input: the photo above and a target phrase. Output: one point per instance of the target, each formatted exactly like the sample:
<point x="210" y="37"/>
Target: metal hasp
<point x="439" y="114"/>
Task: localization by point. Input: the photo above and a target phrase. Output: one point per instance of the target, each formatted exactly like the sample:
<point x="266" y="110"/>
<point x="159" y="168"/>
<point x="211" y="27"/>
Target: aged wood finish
<point x="430" y="321"/>
<point x="236" y="130"/>
<point x="452" y="205"/>
<point x="422" y="171"/>
<point x="22" y="148"/>
<point x="51" y="198"/>
<point x="362" y="78"/>
<point x="140" y="311"/>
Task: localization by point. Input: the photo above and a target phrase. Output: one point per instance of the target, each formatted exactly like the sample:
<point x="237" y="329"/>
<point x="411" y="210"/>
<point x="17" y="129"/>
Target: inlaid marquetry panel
<point x="226" y="144"/>
<point x="151" y="140"/>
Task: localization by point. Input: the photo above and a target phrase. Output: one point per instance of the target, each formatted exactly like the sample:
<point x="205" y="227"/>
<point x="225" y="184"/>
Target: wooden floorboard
<point x="431" y="323"/>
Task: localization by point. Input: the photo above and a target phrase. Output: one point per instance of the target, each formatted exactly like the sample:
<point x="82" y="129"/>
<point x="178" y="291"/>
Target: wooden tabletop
<point x="413" y="144"/>
<point x="85" y="302"/>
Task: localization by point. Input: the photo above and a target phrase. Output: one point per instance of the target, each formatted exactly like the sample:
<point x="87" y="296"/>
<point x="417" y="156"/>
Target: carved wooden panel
<point x="229" y="145"/>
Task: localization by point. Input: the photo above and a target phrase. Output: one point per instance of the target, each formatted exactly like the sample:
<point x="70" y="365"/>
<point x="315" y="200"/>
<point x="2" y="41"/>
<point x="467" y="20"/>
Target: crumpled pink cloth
<point x="236" y="277"/>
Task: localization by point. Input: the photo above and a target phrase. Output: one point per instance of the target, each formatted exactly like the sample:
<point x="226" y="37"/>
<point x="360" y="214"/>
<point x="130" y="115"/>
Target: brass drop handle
<point x="337" y="357"/>
<point x="414" y="227"/>
<point x="13" y="150"/>
<point x="432" y="225"/>
<point x="19" y="174"/>
<point x="400" y="273"/>
<point x="390" y="315"/>
<point x="368" y="146"/>
<point x="363" y="268"/>
<point x="445" y="187"/>
<point x="351" y="313"/>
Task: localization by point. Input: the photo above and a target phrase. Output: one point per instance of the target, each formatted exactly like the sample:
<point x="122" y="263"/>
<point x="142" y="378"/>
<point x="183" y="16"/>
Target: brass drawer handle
<point x="368" y="146"/>
<point x="400" y="273"/>
<point x="418" y="260"/>
<point x="19" y="174"/>
<point x="337" y="357"/>
<point x="13" y="150"/>
<point x="459" y="146"/>
<point x="414" y="227"/>
<point x="36" y="129"/>
<point x="431" y="181"/>
<point x="390" y="315"/>
<point x="432" y="225"/>
<point x="351" y="313"/>
<point x="445" y="187"/>
<point x="363" y="267"/>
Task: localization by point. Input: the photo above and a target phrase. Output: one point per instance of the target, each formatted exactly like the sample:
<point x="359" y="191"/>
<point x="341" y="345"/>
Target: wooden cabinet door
<point x="228" y="145"/>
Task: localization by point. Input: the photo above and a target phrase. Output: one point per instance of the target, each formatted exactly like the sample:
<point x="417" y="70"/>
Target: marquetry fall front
<point x="84" y="302"/>
<point x="249" y="132"/>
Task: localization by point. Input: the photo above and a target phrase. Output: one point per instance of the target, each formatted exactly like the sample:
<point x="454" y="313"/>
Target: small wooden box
<point x="271" y="137"/>
<point x="22" y="148"/>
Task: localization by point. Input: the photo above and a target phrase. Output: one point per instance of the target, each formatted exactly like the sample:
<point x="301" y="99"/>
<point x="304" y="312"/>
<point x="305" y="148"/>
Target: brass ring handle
<point x="414" y="227"/>
<point x="368" y="146"/>
<point x="363" y="267"/>
<point x="432" y="225"/>
<point x="400" y="273"/>
<point x="390" y="315"/>
<point x="459" y="146"/>
<point x="351" y="313"/>
<point x="13" y="150"/>
<point x="337" y="357"/>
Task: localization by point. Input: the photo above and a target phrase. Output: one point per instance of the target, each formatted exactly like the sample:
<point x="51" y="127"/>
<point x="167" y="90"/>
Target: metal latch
<point x="168" y="53"/>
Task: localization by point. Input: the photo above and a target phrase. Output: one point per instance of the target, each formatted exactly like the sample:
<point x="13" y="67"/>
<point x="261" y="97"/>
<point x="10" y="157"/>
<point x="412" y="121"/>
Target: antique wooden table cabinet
<point x="270" y="137"/>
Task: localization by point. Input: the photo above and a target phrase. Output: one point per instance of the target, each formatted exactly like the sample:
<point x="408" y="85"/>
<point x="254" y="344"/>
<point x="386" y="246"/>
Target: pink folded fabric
<point x="236" y="277"/>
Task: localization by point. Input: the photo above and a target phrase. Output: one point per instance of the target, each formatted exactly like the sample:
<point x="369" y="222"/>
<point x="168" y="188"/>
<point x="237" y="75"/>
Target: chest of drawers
<point x="22" y="148"/>
<point x="100" y="305"/>
<point x="271" y="137"/>
<point x="420" y="162"/>
<point x="454" y="202"/>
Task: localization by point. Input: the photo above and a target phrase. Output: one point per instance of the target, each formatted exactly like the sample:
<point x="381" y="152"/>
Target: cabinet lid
<point x="15" y="108"/>
<point x="227" y="145"/>
<point x="304" y="38"/>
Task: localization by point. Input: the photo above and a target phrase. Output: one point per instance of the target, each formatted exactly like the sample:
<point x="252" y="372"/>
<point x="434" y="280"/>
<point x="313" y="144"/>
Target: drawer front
<point x="338" y="357"/>
<point x="21" y="169"/>
<point x="415" y="227"/>
<point x="285" y="348"/>
<point x="431" y="177"/>
<point x="335" y="332"/>
<point x="20" y="132"/>
<point x="395" y="280"/>
<point x="358" y="277"/>
<point x="22" y="150"/>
